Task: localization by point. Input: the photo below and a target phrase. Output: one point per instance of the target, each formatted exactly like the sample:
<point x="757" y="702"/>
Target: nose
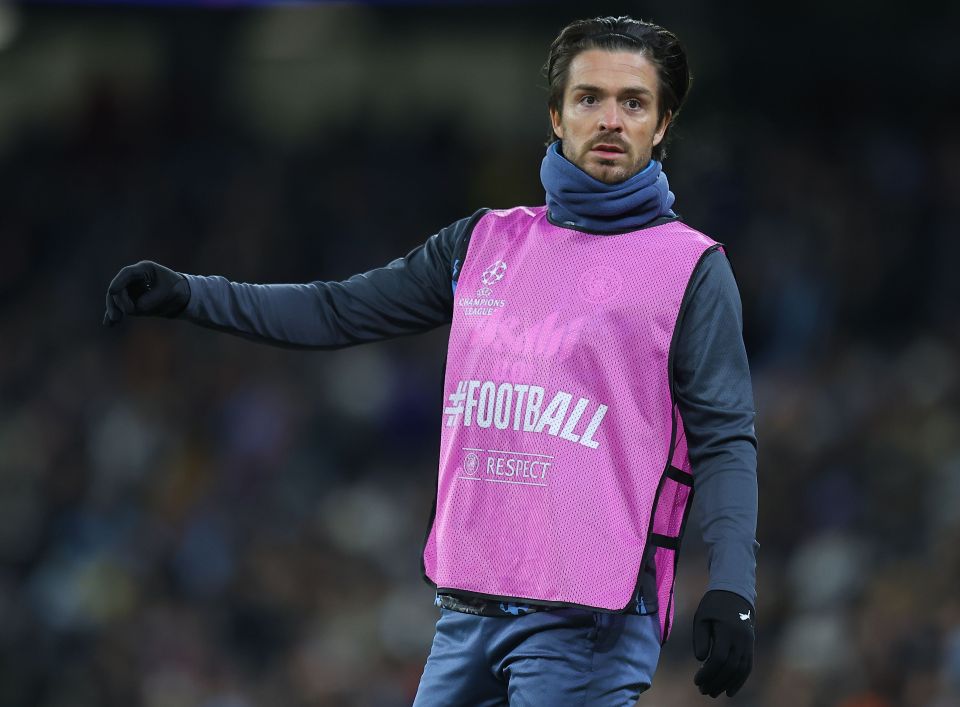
<point x="610" y="118"/>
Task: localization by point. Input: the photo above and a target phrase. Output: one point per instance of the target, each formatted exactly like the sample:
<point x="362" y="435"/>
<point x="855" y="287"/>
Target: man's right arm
<point x="411" y="294"/>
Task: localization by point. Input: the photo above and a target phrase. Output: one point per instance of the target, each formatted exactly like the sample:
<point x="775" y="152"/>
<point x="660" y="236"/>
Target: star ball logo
<point x="492" y="276"/>
<point x="471" y="463"/>
<point x="482" y="304"/>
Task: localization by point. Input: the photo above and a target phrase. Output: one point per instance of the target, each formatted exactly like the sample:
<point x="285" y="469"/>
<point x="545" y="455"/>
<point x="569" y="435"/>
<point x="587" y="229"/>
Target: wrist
<point x="181" y="298"/>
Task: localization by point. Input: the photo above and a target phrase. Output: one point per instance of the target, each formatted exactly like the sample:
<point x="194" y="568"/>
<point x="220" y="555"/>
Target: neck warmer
<point x="574" y="198"/>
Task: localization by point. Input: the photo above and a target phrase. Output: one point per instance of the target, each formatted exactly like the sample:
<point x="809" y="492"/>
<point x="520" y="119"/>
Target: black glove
<point x="146" y="289"/>
<point x="723" y="642"/>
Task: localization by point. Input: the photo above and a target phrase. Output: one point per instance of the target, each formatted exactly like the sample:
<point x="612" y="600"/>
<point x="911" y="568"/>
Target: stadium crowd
<point x="191" y="519"/>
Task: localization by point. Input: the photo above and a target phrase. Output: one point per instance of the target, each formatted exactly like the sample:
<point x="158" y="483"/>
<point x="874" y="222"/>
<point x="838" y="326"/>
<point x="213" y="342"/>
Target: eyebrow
<point x="631" y="90"/>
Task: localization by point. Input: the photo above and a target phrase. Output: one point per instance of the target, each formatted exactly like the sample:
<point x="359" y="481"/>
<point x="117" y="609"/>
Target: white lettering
<point x="535" y="469"/>
<point x="587" y="437"/>
<point x="479" y="306"/>
<point x="520" y="406"/>
<point x="521" y="392"/>
<point x="480" y="302"/>
<point x="567" y="432"/>
<point x="554" y="414"/>
<point x="543" y="472"/>
<point x="471" y="402"/>
<point x="485" y="406"/>
<point x="501" y="412"/>
<point x="534" y="401"/>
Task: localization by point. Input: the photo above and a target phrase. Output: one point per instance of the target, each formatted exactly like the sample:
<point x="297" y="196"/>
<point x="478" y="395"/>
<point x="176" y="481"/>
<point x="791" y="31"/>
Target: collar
<point x="576" y="199"/>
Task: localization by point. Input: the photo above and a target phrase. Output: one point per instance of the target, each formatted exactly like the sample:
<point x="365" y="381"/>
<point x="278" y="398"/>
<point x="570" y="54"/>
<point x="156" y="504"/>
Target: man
<point x="595" y="376"/>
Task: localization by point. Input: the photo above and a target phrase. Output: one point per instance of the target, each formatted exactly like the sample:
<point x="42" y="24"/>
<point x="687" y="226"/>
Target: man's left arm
<point x="715" y="399"/>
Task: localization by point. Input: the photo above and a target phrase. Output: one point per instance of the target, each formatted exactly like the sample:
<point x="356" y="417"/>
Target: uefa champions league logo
<point x="482" y="304"/>
<point x="494" y="273"/>
<point x="491" y="276"/>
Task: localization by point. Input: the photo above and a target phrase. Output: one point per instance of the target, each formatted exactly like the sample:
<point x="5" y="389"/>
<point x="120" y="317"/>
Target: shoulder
<point x="497" y="223"/>
<point x="680" y="230"/>
<point x="712" y="279"/>
<point x="712" y="287"/>
<point x="503" y="220"/>
<point x="519" y="213"/>
<point x="459" y="229"/>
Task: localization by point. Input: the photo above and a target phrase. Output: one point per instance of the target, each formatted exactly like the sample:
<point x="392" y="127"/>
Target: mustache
<point x="609" y="140"/>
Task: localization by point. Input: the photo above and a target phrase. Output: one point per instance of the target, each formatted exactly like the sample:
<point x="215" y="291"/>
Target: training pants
<point x="559" y="658"/>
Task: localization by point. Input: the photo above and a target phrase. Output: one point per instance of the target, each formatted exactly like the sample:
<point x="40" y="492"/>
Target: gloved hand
<point x="723" y="641"/>
<point x="146" y="289"/>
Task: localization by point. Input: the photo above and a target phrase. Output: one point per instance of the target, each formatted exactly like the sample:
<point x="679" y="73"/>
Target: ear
<point x="555" y="121"/>
<point x="662" y="130"/>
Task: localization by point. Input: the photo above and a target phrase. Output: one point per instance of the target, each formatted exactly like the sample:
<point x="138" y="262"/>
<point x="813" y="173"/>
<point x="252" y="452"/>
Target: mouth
<point x="607" y="151"/>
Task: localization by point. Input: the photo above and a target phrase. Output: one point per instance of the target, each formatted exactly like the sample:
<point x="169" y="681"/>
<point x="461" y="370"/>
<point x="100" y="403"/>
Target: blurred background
<point x="188" y="518"/>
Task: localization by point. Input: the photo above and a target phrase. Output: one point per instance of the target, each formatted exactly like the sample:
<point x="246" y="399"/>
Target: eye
<point x="634" y="104"/>
<point x="588" y="100"/>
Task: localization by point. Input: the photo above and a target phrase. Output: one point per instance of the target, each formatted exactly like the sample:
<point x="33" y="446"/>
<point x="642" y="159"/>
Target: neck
<point x="576" y="199"/>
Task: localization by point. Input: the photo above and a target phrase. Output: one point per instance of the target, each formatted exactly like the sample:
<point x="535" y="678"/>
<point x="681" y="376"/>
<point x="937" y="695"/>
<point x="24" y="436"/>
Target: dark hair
<point x="660" y="46"/>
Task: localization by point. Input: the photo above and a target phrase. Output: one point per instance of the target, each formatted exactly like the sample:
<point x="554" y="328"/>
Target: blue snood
<point x="574" y="198"/>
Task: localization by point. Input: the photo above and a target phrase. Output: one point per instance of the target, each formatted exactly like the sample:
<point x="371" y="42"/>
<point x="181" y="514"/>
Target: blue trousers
<point x="560" y="658"/>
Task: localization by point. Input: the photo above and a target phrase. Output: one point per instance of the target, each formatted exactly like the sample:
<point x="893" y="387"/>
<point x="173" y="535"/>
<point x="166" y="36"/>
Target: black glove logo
<point x="723" y="644"/>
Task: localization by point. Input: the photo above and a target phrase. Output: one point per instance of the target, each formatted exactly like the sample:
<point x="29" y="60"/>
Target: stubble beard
<point x="608" y="171"/>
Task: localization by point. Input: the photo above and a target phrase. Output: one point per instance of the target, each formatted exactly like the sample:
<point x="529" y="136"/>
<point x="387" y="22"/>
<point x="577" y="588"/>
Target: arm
<point x="410" y="295"/>
<point x="715" y="399"/>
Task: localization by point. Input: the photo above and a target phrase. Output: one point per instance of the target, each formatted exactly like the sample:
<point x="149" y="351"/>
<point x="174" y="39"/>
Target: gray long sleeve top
<point x="415" y="294"/>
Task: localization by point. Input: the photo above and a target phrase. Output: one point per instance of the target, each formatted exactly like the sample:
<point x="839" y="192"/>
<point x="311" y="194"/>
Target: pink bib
<point x="562" y="453"/>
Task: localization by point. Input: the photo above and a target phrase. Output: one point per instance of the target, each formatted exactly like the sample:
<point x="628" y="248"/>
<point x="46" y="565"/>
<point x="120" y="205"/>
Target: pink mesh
<point x="666" y="561"/>
<point x="560" y="513"/>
